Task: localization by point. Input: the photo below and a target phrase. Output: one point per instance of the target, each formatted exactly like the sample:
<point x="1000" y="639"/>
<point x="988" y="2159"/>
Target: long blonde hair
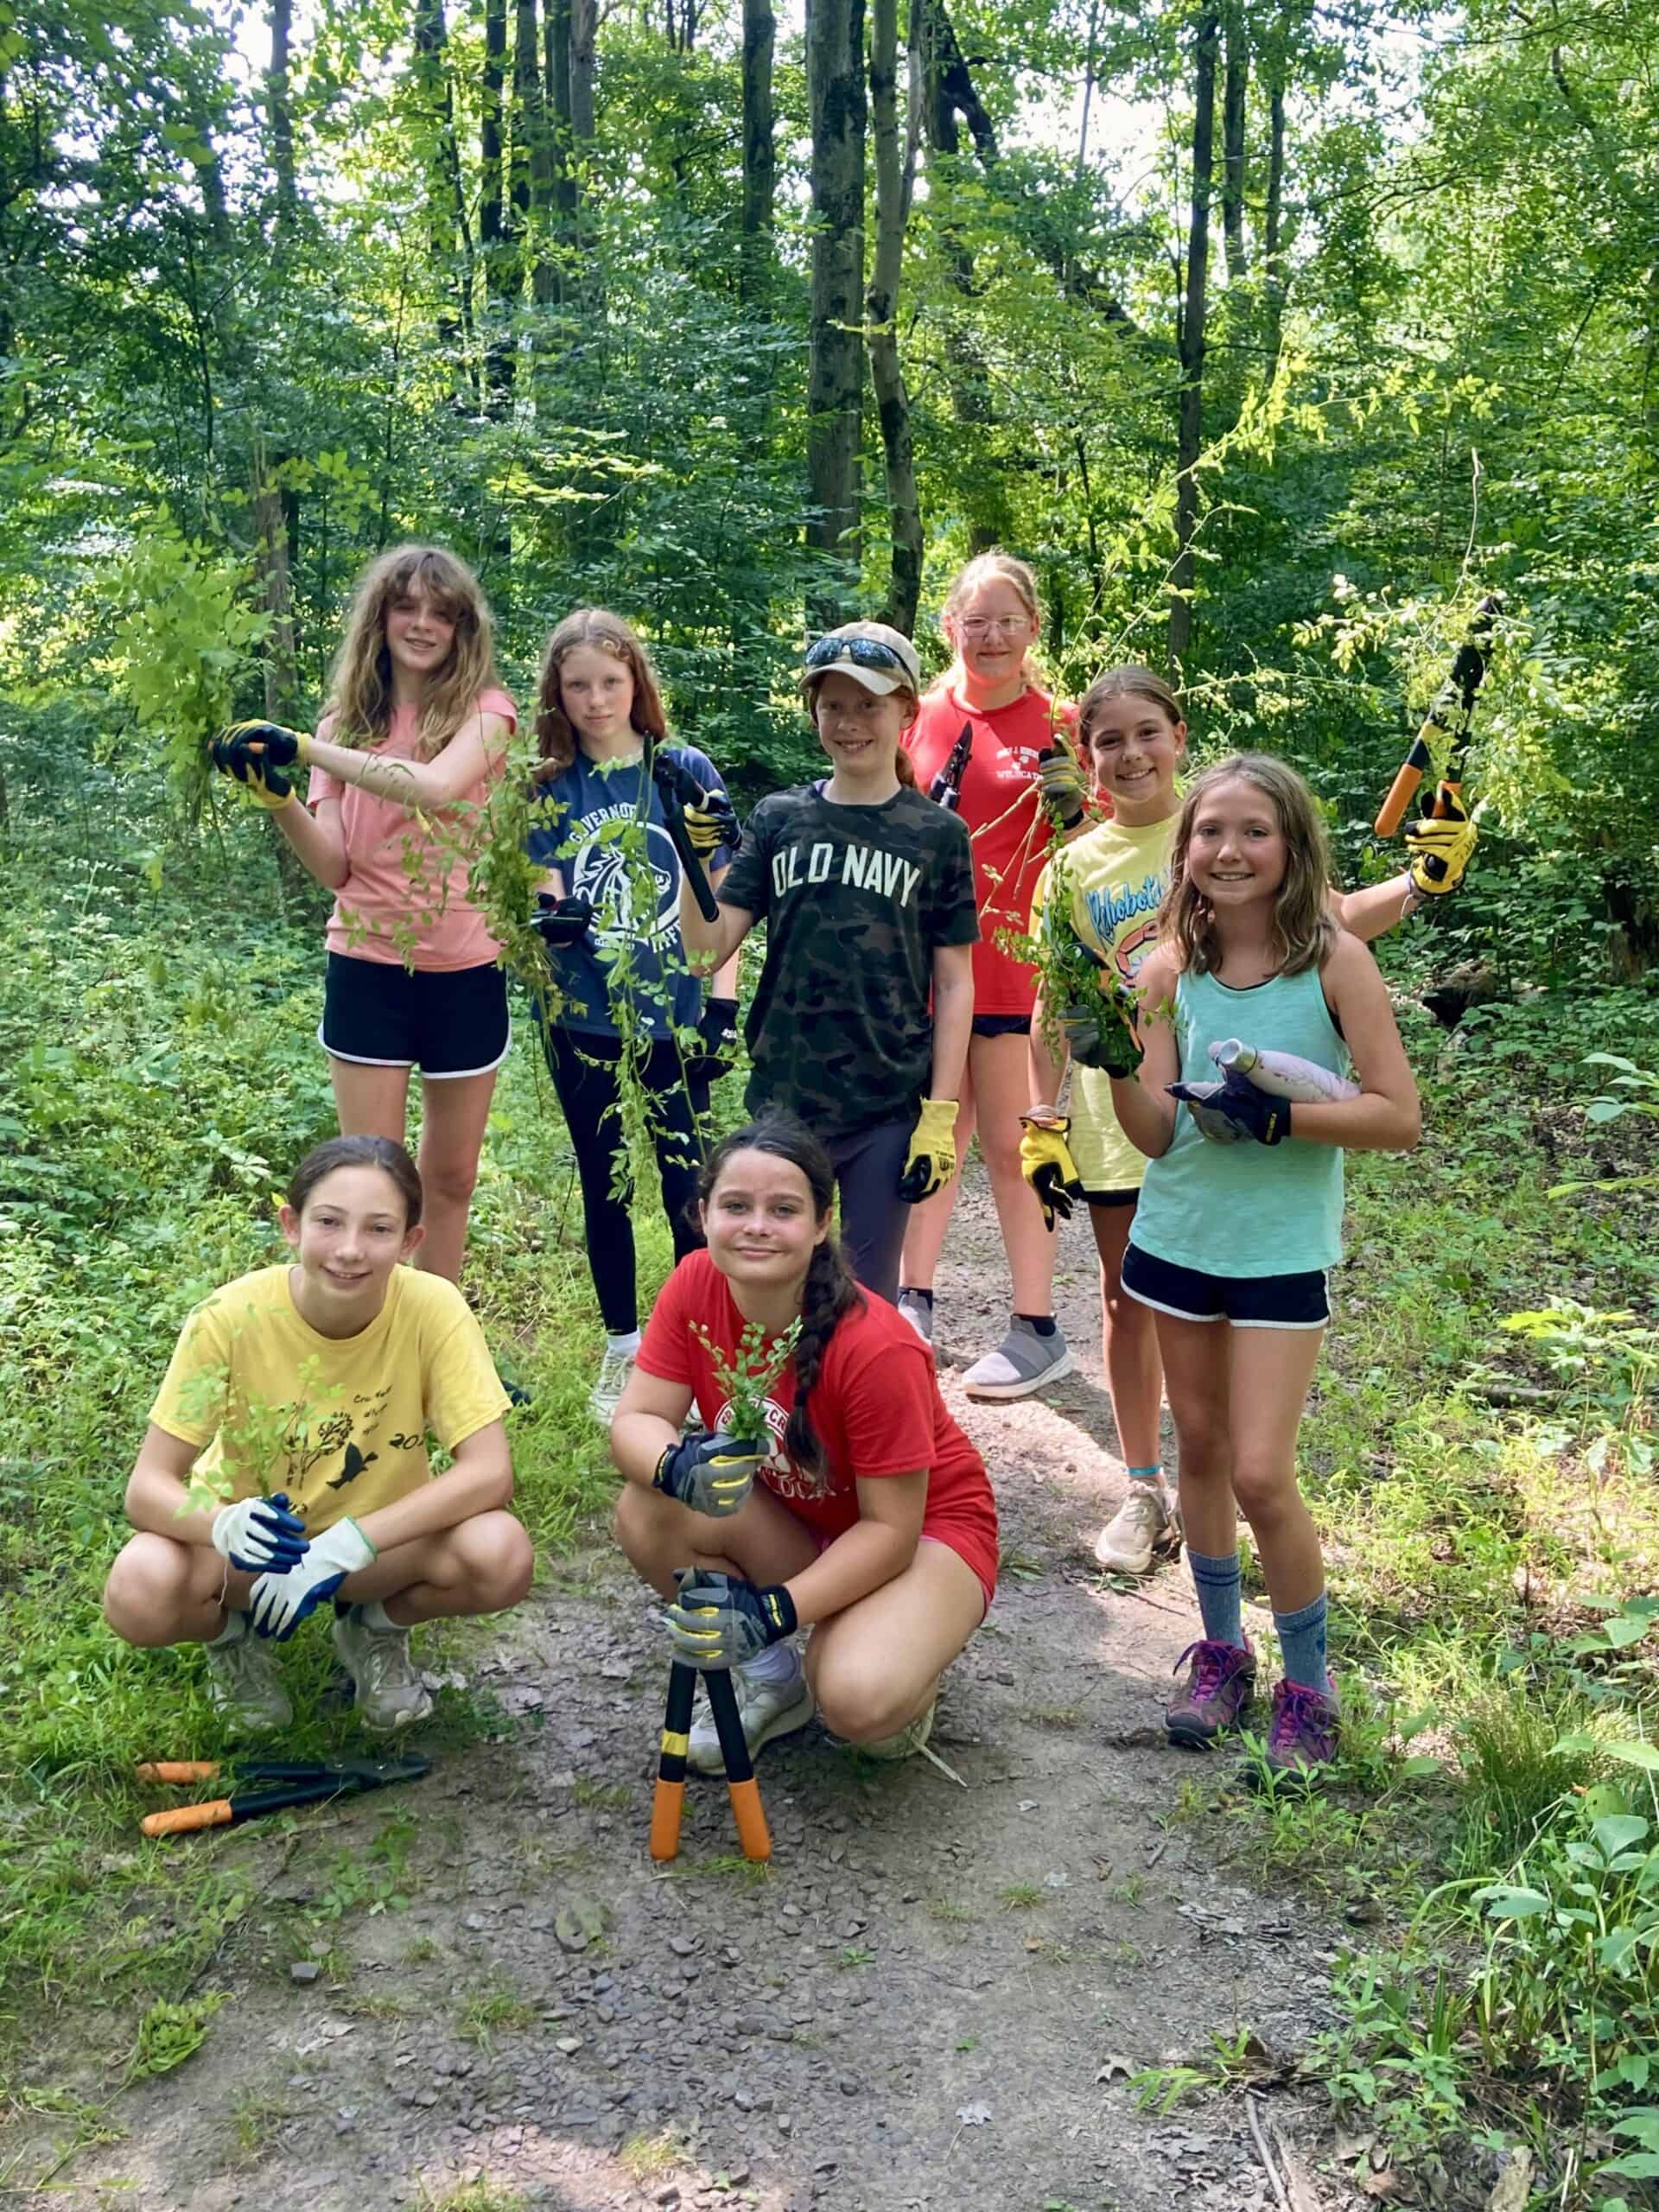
<point x="359" y="691"/>
<point x="597" y="627"/>
<point x="1302" y="921"/>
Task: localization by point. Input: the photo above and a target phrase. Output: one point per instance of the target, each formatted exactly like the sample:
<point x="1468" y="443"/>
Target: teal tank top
<point x="1246" y="1209"/>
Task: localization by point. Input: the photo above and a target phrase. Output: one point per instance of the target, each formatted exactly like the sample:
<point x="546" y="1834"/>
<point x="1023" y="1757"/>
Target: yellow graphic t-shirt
<point x="1118" y="877"/>
<point x="339" y="1423"/>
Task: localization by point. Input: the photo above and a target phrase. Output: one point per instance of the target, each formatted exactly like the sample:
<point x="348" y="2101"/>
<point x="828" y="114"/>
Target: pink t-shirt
<point x="406" y="902"/>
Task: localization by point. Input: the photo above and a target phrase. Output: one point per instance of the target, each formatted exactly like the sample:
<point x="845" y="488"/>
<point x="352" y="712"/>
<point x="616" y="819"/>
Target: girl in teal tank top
<point x="1241" y="1213"/>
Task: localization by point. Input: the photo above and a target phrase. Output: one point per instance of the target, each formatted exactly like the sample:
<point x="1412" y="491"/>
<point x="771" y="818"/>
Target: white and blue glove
<point x="279" y="1602"/>
<point x="259" y="1534"/>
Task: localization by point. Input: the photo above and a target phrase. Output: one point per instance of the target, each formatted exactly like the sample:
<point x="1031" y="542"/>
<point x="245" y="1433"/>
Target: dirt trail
<point x="929" y="2000"/>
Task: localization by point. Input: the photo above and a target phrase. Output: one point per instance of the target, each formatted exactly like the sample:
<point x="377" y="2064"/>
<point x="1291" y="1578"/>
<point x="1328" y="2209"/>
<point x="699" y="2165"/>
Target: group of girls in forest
<point x="892" y="1017"/>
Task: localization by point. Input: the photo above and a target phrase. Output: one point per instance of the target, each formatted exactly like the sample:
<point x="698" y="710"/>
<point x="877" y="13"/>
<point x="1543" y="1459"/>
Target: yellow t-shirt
<point x="1118" y="877"/>
<point x="339" y="1423"/>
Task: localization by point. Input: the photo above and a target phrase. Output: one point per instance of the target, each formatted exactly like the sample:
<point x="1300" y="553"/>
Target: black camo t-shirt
<point x="854" y="900"/>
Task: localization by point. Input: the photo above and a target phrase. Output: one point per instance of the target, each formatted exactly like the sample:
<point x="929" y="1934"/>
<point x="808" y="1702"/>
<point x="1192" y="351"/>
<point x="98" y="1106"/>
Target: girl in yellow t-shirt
<point x="304" y="1394"/>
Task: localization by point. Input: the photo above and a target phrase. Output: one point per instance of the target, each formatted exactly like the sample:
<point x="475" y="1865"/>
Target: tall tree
<point x="759" y="153"/>
<point x="584" y="40"/>
<point x="835" y="82"/>
<point x="532" y="154"/>
<point x="895" y="171"/>
<point x="448" y="223"/>
<point x="493" y="233"/>
<point x="1235" y="91"/>
<point x="1191" y="333"/>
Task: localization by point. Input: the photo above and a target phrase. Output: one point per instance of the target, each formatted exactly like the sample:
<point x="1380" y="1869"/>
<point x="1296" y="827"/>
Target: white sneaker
<point x="1022" y="1363"/>
<point x="1148" y="1525"/>
<point x="244" y="1686"/>
<point x="767" y="1709"/>
<point x="918" y="1312"/>
<point x="608" y="1386"/>
<point x="389" y="1692"/>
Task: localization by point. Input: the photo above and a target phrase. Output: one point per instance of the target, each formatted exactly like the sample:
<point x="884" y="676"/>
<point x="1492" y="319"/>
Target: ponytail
<point x="829" y="1292"/>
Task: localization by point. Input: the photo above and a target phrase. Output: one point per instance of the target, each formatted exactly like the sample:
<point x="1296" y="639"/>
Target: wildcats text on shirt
<point x="866" y="866"/>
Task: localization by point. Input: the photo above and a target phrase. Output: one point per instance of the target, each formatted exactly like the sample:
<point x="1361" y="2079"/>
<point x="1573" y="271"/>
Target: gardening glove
<point x="259" y="1534"/>
<point x="261" y="783"/>
<point x="1242" y="1110"/>
<point x="717" y="1041"/>
<point x="1045" y="1162"/>
<point x="1100" y="1033"/>
<point x="268" y="743"/>
<point x="718" y="1621"/>
<point x="1441" y="845"/>
<point x="931" y="1160"/>
<point x="280" y="1602"/>
<point x="711" y="822"/>
<point x="1060" y="774"/>
<point x="711" y="1474"/>
<point x="561" y="922"/>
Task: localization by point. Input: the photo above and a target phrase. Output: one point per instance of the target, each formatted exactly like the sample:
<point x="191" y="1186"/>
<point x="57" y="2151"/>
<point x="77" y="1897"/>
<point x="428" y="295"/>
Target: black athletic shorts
<point x="448" y="1022"/>
<point x="1107" y="1199"/>
<point x="1001" y="1025"/>
<point x="1297" y="1301"/>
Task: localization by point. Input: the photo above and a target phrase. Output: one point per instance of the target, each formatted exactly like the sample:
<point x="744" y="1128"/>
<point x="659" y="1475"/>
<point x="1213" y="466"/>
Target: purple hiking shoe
<point x="1302" y="1734"/>
<point x="1219" y="1687"/>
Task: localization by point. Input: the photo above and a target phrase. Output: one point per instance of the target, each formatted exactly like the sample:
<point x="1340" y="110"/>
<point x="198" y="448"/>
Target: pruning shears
<point x="296" y="1782"/>
<point x="1449" y="719"/>
<point x="678" y="788"/>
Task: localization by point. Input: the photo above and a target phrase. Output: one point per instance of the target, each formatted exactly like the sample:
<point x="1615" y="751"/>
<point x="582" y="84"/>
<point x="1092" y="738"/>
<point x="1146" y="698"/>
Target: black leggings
<point x="587" y="1098"/>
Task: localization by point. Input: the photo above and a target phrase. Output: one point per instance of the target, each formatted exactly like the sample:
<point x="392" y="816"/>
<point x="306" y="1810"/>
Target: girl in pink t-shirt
<point x="402" y="767"/>
<point x="862" y="1512"/>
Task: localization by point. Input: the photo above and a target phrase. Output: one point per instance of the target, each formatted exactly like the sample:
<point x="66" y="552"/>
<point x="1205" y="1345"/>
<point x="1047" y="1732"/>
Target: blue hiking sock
<point x="1219" y="1585"/>
<point x="1301" y="1641"/>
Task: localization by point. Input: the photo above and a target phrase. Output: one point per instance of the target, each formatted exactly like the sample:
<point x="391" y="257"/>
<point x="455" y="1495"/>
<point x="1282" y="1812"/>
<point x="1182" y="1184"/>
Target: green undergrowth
<point x="159" y="1077"/>
<point x="1480" y="1456"/>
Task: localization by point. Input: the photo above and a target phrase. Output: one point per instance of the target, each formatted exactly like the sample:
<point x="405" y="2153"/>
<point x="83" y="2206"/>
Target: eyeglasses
<point x="1005" y="626"/>
<point x="863" y="653"/>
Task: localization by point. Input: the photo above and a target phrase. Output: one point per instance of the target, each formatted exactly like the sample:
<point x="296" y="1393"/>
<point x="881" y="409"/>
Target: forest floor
<point x="934" y="1995"/>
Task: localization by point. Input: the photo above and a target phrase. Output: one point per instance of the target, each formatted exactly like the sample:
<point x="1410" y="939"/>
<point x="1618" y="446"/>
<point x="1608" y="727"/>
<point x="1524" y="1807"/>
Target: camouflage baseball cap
<point x="874" y="654"/>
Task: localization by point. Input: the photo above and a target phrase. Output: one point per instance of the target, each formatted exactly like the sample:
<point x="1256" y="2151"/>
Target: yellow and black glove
<point x="256" y="754"/>
<point x="1045" y="1162"/>
<point x="1065" y="789"/>
<point x="931" y="1160"/>
<point x="1440" y="846"/>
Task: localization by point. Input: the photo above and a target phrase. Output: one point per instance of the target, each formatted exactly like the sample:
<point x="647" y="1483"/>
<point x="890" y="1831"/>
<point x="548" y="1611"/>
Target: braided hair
<point x="830" y="1290"/>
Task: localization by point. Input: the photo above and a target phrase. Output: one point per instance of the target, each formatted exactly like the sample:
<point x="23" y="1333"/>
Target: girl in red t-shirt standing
<point x="865" y="1513"/>
<point x="396" y="819"/>
<point x="978" y="743"/>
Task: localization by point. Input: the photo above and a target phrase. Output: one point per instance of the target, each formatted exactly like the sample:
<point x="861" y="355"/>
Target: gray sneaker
<point x="766" y="1709"/>
<point x="389" y="1692"/>
<point x="1146" y="1526"/>
<point x="918" y="1312"/>
<point x="1022" y="1363"/>
<point x="609" y="1383"/>
<point x="244" y="1686"/>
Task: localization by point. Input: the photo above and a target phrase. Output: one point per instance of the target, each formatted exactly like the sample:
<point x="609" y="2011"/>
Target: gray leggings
<point x="873" y="1218"/>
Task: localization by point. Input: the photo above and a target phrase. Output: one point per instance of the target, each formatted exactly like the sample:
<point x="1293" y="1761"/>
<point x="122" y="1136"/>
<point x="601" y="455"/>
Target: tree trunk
<point x="893" y="179"/>
<point x="495" y="242"/>
<point x="448" y="226"/>
<point x="279" y="121"/>
<point x="584" y="40"/>
<point x="532" y="164"/>
<point x="559" y="135"/>
<point x="1272" y="243"/>
<point x="835" y="76"/>
<point x="1190" y="432"/>
<point x="1235" y="87"/>
<point x="759" y="153"/>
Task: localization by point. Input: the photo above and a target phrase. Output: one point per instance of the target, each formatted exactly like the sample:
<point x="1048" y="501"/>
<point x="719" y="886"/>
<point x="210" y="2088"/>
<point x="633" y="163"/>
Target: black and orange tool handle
<point x="747" y="1808"/>
<point x="183" y="1819"/>
<point x="1451" y="710"/>
<point x="1403" y="789"/>
<point x="177" y="1770"/>
<point x="670" y="1801"/>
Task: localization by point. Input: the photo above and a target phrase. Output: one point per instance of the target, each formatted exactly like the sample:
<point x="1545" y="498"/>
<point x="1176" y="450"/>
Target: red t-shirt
<point x="875" y="1405"/>
<point x="1005" y="818"/>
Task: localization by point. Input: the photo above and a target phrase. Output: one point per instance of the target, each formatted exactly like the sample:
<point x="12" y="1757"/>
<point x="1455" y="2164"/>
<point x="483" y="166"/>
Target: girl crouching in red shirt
<point x="865" y="1514"/>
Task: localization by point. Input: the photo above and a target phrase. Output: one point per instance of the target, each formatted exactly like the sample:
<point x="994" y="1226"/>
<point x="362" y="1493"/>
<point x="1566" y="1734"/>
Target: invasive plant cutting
<point x="747" y="1379"/>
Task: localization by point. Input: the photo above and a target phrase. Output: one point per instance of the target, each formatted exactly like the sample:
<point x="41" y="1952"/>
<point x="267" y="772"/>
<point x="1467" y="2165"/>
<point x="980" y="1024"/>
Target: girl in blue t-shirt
<point x="1241" y="1213"/>
<point x="609" y="919"/>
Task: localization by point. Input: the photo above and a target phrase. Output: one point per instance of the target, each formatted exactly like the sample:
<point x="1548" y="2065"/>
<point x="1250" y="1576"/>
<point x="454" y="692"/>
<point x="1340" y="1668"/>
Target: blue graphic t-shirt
<point x="585" y="822"/>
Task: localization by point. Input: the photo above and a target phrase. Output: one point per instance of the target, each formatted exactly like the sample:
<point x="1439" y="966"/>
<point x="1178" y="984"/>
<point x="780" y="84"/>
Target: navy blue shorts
<point x="1296" y="1301"/>
<point x="1001" y="1025"/>
<point x="448" y="1022"/>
